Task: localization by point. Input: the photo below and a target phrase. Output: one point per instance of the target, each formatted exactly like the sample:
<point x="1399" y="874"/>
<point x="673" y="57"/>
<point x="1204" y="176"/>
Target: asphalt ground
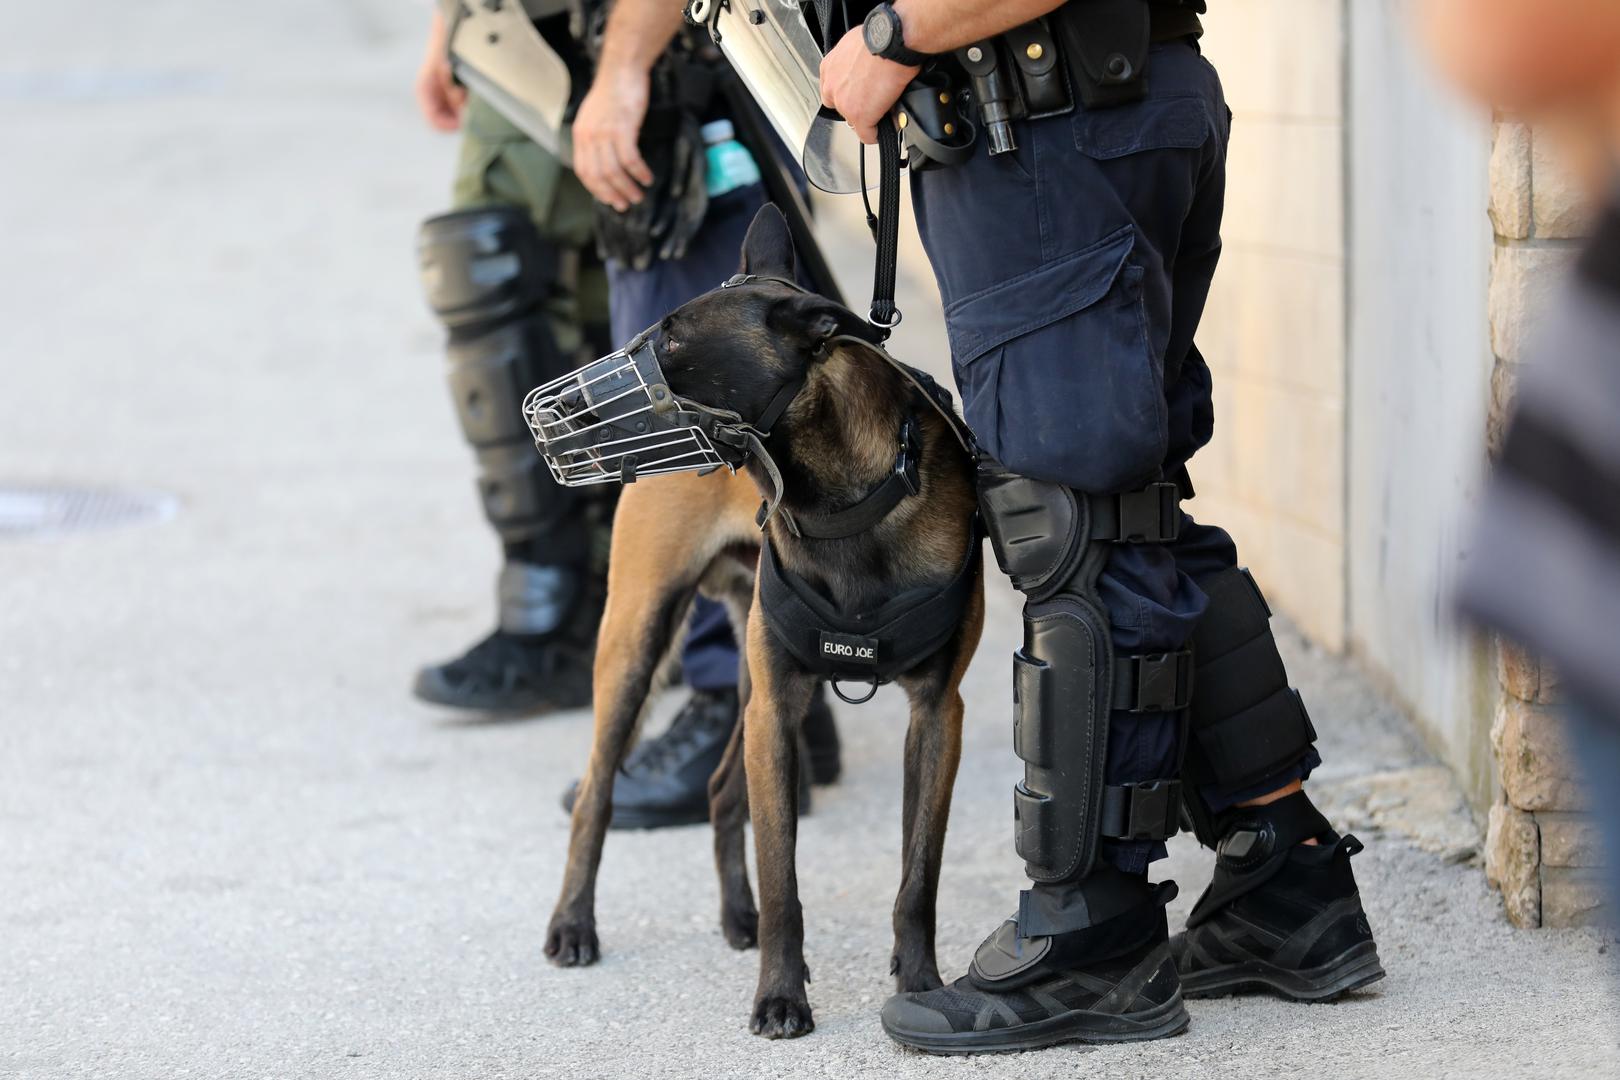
<point x="230" y="843"/>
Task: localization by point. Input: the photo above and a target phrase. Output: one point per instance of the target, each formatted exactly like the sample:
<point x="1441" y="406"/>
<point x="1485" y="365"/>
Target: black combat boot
<point x="517" y="672"/>
<point x="1280" y="915"/>
<point x="1113" y="981"/>
<point x="665" y="780"/>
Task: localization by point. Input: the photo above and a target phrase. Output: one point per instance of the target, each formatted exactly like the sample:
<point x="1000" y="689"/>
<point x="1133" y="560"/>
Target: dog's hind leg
<point x="933" y="750"/>
<point x="728" y="791"/>
<point x="777" y="703"/>
<point x="728" y="808"/>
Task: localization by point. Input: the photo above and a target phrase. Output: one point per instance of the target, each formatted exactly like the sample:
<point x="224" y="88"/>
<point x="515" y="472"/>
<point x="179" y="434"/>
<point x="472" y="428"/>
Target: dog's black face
<point x="734" y="348"/>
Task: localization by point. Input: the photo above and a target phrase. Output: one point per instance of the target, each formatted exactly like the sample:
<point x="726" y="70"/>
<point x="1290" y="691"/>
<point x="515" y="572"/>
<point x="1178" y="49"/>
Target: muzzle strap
<point x="778" y="405"/>
<point x="748" y="442"/>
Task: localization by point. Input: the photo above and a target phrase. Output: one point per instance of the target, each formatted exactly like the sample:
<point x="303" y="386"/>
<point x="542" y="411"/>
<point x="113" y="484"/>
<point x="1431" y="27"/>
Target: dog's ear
<point x="768" y="248"/>
<point x="806" y="317"/>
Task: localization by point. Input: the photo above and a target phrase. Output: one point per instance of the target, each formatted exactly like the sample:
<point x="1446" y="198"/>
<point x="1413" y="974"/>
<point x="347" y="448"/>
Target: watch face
<point x="879" y="31"/>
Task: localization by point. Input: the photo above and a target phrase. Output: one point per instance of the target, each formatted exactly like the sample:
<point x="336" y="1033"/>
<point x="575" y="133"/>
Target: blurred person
<point x="514" y="272"/>
<point x="1545" y="566"/>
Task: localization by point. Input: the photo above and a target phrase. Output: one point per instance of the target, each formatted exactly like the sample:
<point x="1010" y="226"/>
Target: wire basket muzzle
<point x="616" y="419"/>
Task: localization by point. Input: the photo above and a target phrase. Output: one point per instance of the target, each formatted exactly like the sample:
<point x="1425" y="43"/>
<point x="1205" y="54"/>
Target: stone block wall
<point x="1542" y="850"/>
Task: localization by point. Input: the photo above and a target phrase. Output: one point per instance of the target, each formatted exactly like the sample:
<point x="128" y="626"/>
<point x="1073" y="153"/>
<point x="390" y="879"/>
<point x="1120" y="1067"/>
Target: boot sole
<point x="658" y="819"/>
<point x="1071" y="1027"/>
<point x="1358" y="966"/>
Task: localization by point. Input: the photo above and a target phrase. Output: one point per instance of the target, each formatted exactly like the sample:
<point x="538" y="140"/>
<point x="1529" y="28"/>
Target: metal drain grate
<point x="43" y="511"/>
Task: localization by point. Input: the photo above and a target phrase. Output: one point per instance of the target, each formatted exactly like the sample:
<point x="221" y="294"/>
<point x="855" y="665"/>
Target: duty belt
<point x="1088" y="52"/>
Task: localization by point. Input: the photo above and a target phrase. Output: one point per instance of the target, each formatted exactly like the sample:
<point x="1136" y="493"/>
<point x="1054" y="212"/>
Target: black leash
<point x="885" y="226"/>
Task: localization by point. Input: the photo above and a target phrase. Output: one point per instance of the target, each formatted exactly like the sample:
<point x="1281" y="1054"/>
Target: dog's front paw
<point x="740" y="926"/>
<point x="780" y="1017"/>
<point x="571" y="943"/>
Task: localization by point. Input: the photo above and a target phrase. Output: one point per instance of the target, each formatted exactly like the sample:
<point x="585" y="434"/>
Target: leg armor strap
<point x="535" y="599"/>
<point x="1253" y="845"/>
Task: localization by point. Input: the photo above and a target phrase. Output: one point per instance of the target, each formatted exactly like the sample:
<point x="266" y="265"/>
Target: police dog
<point x="687" y="532"/>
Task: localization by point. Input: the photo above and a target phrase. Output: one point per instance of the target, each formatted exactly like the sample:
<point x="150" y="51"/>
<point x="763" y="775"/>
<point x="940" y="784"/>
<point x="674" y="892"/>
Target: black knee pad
<point x="484" y="265"/>
<point x="1246" y="721"/>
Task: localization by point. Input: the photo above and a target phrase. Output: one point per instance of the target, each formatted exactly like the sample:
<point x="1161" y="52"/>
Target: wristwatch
<point x="884" y="37"/>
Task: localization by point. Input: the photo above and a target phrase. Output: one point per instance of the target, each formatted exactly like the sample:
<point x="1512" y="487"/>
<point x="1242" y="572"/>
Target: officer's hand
<point x="437" y="94"/>
<point x="606" y="158"/>
<point x="860" y="86"/>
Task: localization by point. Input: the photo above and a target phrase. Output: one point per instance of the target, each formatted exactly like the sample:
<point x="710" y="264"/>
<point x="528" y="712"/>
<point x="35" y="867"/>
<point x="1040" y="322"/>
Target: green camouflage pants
<point x="500" y="165"/>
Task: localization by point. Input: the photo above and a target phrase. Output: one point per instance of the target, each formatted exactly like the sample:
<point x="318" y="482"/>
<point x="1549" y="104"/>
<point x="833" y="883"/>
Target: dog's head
<point x="671" y="399"/>
<point x="735" y="347"/>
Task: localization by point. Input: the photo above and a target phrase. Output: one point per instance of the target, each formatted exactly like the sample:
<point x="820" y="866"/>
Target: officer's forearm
<point x="638" y="31"/>
<point x="936" y="26"/>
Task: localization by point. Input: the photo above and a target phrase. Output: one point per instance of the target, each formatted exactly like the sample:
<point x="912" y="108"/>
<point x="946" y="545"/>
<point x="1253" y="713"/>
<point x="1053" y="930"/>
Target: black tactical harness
<point x="864" y="646"/>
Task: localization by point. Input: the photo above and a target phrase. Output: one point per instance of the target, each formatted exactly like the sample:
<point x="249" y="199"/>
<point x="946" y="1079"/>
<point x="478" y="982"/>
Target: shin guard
<point x="1053" y="543"/>
<point x="487" y="273"/>
<point x="1246" y="723"/>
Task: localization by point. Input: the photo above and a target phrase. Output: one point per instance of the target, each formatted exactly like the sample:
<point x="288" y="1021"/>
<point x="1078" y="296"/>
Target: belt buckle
<point x="1155" y="810"/>
<point x="905" y="462"/>
<point x="1150" y="515"/>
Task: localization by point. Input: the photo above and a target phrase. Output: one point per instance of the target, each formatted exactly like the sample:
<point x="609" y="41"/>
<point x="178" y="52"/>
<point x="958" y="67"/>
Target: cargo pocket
<point x="1057" y="373"/>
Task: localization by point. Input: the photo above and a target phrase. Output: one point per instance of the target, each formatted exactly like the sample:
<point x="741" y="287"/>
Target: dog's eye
<point x="670" y="344"/>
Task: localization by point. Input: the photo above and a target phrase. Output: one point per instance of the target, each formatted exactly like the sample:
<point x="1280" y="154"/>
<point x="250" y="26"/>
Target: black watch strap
<point x="896" y="50"/>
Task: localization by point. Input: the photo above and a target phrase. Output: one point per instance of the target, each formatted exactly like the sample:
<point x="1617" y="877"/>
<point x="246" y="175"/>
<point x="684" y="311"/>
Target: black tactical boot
<point x="1114" y="981"/>
<point x="665" y="780"/>
<point x="1279" y="916"/>
<point x="515" y="672"/>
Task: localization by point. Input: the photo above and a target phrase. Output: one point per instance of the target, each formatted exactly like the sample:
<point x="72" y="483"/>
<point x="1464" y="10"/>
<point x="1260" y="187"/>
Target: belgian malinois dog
<point x="733" y="349"/>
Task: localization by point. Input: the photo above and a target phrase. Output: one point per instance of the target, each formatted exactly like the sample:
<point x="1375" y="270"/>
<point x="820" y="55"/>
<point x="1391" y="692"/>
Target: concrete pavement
<point x="232" y="846"/>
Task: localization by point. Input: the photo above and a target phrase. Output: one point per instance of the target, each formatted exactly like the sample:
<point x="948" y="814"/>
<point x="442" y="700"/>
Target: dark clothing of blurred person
<point x="1545" y="569"/>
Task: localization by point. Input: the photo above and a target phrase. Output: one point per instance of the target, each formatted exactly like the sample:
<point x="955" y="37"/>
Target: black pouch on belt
<point x="1106" y="44"/>
<point x="1042" y="77"/>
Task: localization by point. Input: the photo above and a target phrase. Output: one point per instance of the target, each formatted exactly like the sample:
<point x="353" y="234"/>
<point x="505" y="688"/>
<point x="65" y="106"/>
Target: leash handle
<point x="885" y="226"/>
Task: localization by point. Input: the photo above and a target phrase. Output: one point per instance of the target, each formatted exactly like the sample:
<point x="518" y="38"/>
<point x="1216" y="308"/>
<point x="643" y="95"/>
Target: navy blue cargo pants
<point x="1074" y="271"/>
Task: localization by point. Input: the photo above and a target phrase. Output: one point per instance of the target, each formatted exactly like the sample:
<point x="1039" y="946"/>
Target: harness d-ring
<point x="846" y="699"/>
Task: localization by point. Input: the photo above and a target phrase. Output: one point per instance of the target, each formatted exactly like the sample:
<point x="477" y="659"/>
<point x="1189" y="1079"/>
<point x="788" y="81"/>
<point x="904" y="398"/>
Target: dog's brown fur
<point x="684" y="533"/>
